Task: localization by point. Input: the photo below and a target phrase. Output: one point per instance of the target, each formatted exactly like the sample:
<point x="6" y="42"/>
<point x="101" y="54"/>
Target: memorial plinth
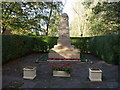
<point x="64" y="51"/>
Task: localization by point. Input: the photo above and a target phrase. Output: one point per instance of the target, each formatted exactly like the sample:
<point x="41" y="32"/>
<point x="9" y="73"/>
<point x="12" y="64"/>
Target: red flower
<point x="63" y="64"/>
<point x="64" y="67"/>
<point x="68" y="66"/>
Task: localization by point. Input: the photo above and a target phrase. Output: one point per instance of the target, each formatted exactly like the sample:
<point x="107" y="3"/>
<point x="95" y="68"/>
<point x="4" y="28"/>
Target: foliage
<point x="39" y="44"/>
<point x="11" y="17"/>
<point x="104" y="17"/>
<point x="15" y="46"/>
<point x="30" y="16"/>
<point x="54" y="25"/>
<point x="42" y="57"/>
<point x="105" y="47"/>
<point x="62" y="67"/>
<point x="53" y="18"/>
<point x="51" y="41"/>
<point x="94" y="18"/>
<point x="81" y="43"/>
<point x="78" y="24"/>
<point x="83" y="58"/>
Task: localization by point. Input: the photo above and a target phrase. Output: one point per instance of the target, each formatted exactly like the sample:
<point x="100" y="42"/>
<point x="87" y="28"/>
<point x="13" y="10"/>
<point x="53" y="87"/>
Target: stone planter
<point x="29" y="72"/>
<point x="61" y="74"/>
<point x="95" y="74"/>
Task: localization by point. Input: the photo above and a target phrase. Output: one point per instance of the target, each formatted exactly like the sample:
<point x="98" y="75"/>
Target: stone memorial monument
<point x="64" y="51"/>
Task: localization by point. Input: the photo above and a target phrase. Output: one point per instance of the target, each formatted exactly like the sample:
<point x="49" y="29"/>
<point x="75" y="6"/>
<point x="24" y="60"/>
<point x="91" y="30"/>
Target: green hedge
<point x="81" y="43"/>
<point x="44" y="44"/>
<point x="105" y="47"/>
<point x="39" y="44"/>
<point x="15" y="46"/>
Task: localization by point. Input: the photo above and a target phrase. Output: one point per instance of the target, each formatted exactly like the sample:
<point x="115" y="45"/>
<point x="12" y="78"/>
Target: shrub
<point x="39" y="44"/>
<point x="14" y="46"/>
<point x="81" y="43"/>
<point x="67" y="67"/>
<point x="106" y="48"/>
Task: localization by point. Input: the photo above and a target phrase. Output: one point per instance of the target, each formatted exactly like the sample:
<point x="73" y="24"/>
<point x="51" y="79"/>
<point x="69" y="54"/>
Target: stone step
<point x="62" y="55"/>
<point x="65" y="54"/>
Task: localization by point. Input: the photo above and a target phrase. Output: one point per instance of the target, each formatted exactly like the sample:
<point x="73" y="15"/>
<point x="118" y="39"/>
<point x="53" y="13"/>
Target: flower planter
<point x="95" y="74"/>
<point x="29" y="72"/>
<point x="61" y="74"/>
<point x="61" y="70"/>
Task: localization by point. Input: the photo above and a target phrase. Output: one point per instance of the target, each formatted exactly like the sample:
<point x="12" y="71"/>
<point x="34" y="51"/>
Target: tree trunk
<point x="3" y="29"/>
<point x="49" y="20"/>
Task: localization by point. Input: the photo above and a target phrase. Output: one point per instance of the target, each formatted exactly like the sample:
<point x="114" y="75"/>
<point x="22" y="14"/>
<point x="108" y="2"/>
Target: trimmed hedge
<point x="81" y="43"/>
<point x="105" y="47"/>
<point x="39" y="44"/>
<point x="44" y="44"/>
<point x="14" y="46"/>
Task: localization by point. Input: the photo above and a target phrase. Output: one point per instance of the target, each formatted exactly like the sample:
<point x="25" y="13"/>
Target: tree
<point x="78" y="25"/>
<point x="95" y="18"/>
<point x="55" y="19"/>
<point x="28" y="16"/>
<point x="104" y="17"/>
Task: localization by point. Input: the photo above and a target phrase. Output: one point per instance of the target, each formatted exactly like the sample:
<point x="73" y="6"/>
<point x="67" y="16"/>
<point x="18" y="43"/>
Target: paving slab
<point x="12" y="76"/>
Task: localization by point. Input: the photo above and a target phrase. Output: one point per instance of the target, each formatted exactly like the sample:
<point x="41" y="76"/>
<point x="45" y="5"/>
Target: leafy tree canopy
<point x="30" y="16"/>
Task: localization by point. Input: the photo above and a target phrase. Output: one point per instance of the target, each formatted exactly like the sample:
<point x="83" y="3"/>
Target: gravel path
<point x="13" y="74"/>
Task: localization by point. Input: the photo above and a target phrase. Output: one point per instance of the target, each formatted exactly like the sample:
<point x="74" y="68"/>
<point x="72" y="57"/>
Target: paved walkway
<point x="13" y="74"/>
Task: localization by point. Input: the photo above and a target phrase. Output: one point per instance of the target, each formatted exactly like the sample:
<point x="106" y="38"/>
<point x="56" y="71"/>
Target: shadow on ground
<point x="12" y="74"/>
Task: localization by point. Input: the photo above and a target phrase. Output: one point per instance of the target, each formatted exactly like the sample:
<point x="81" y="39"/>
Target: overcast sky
<point x="68" y="8"/>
